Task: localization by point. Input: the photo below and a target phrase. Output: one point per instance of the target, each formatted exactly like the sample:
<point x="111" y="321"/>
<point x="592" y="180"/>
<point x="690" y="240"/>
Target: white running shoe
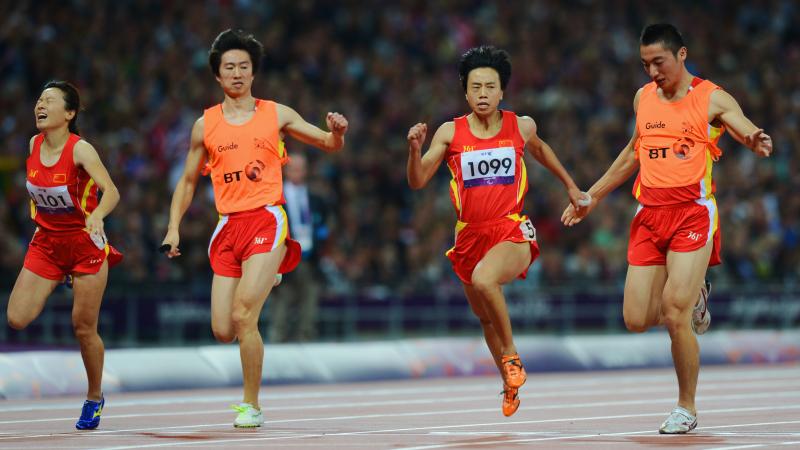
<point x="249" y="416"/>
<point x="680" y="421"/>
<point x="701" y="316"/>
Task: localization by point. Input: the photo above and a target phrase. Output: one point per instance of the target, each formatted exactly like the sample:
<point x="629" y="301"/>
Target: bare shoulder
<point x="84" y="152"/>
<point x="283" y="110"/>
<point x="445" y="132"/>
<point x="721" y="99"/>
<point x="527" y="127"/>
<point x="636" y="99"/>
<point x="83" y="146"/>
<point x="198" y="131"/>
<point x="30" y="144"/>
<point x="199" y="124"/>
<point x="286" y="114"/>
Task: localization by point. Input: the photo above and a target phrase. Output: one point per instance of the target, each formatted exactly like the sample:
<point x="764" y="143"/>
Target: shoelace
<point x="87" y="413"/>
<point x="515" y="366"/>
<point x="509" y="393"/>
<point x="686" y="415"/>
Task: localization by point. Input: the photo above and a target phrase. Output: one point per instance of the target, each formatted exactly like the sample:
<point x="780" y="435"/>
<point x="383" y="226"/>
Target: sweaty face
<point x="235" y="73"/>
<point x="661" y="65"/>
<point x="483" y="90"/>
<point x="50" y="110"/>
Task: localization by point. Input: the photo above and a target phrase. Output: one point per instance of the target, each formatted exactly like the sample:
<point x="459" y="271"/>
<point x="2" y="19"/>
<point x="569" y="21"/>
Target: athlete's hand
<point x="94" y="225"/>
<point x="337" y="123"/>
<point x="172" y="239"/>
<point x="575" y="196"/>
<point x="574" y="213"/>
<point x="416" y="136"/>
<point x="759" y="142"/>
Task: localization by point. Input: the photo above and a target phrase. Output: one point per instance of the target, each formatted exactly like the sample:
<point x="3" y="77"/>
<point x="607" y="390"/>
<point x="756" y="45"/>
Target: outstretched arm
<point x="184" y="190"/>
<point x="294" y="125"/>
<point x="723" y="107"/>
<point x="420" y="169"/>
<point x="547" y="157"/>
<point x="86" y="156"/>
<point x="621" y="169"/>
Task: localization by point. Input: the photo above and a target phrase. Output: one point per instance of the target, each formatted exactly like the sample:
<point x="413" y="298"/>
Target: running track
<point x="741" y="407"/>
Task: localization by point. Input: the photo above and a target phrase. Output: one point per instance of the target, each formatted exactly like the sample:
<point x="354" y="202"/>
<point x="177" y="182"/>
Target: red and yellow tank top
<point x="676" y="147"/>
<point x="62" y="195"/>
<point x="245" y="160"/>
<point x="489" y="175"/>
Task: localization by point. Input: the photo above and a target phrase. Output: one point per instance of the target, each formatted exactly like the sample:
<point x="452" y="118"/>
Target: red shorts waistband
<point x="250" y="212"/>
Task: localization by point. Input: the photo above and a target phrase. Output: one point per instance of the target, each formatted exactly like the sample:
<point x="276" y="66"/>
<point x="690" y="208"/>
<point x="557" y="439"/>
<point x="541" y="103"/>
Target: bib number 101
<point x="52" y="200"/>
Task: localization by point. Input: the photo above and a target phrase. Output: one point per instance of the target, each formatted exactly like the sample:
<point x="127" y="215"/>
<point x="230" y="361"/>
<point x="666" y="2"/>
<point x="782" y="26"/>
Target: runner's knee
<point x="84" y="328"/>
<point x="483" y="283"/>
<point x="636" y="323"/>
<point x="224" y="336"/>
<point x="675" y="315"/>
<point x="16" y="322"/>
<point x="243" y="317"/>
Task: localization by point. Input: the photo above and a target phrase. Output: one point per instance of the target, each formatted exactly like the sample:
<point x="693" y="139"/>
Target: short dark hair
<point x="234" y="40"/>
<point x="72" y="100"/>
<point x="663" y="33"/>
<point x="485" y="56"/>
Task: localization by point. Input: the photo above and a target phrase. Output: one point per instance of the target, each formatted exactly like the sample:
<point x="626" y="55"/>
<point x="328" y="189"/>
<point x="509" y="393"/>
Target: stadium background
<point x="142" y="70"/>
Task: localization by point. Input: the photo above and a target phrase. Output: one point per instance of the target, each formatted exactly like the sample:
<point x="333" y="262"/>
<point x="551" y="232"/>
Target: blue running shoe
<point x="90" y="414"/>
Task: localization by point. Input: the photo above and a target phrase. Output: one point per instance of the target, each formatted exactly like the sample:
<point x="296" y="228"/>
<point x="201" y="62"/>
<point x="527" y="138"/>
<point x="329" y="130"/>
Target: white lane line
<point x="702" y="431"/>
<point x="706" y="379"/>
<point x="756" y="445"/>
<point x="600" y="435"/>
<point x="647" y="401"/>
<point x="526" y="396"/>
<point x="504" y="423"/>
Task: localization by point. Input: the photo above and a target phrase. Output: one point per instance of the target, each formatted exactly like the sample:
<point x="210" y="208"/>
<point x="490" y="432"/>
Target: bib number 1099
<point x="488" y="167"/>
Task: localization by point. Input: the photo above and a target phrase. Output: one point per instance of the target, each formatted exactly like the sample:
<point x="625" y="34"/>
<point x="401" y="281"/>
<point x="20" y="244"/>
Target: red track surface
<point x="739" y="407"/>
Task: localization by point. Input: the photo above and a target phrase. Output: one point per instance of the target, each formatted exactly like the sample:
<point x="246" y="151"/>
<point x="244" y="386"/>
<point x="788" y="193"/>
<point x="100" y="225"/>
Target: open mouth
<point x="41" y="116"/>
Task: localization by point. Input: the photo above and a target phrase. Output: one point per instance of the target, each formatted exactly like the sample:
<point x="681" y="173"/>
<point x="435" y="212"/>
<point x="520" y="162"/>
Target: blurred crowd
<point x="141" y="66"/>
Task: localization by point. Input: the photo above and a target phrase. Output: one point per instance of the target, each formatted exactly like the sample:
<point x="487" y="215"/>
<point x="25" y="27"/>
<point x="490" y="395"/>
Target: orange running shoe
<point x="513" y="372"/>
<point x="510" y="400"/>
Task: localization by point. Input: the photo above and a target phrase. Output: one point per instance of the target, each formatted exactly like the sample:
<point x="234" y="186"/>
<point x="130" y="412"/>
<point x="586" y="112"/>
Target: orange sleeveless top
<point x="245" y="160"/>
<point x="676" y="147"/>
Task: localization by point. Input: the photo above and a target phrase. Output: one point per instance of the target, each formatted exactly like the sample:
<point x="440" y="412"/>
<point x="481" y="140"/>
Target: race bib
<point x="489" y="167"/>
<point x="528" y="232"/>
<point x="51" y="200"/>
<point x="99" y="240"/>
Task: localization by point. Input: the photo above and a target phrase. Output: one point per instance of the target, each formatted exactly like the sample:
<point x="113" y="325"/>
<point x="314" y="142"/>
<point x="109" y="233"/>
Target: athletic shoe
<point x="249" y="416"/>
<point x="90" y="414"/>
<point x="510" y="400"/>
<point x="680" y="421"/>
<point x="701" y="316"/>
<point x="513" y="372"/>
